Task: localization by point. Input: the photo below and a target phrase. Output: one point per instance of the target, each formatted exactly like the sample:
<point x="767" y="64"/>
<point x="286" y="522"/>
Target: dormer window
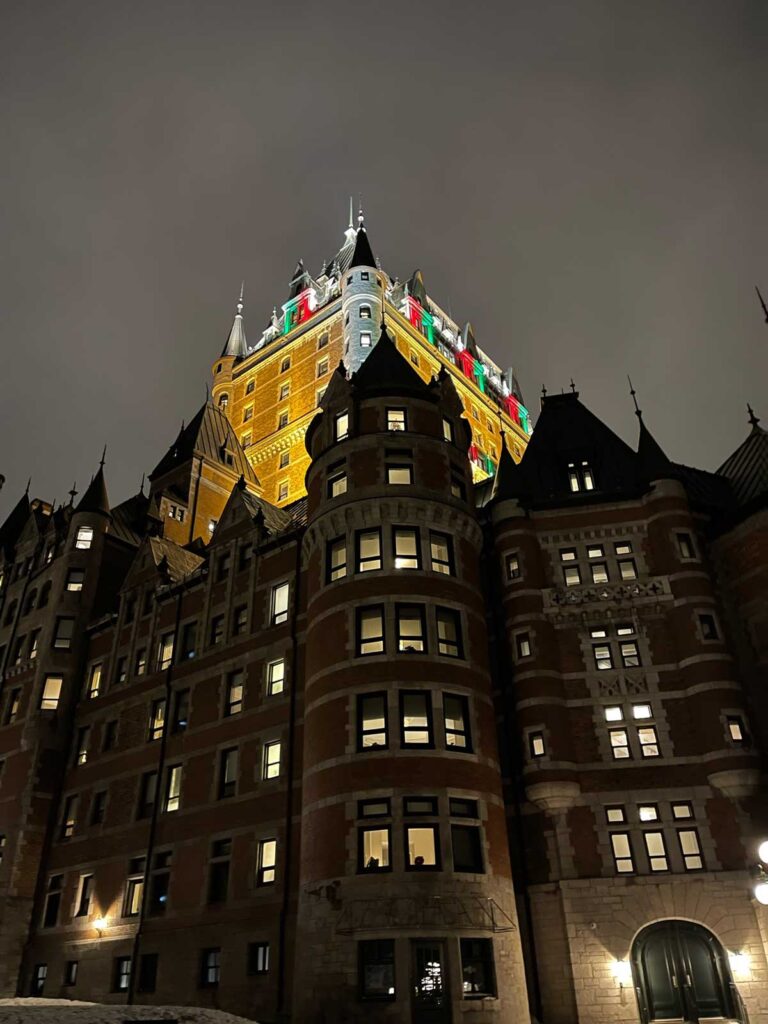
<point x="365" y="339"/>
<point x="342" y="426"/>
<point x="365" y="312"/>
<point x="364" y="275"/>
<point x="580" y="477"/>
<point x="226" y="456"/>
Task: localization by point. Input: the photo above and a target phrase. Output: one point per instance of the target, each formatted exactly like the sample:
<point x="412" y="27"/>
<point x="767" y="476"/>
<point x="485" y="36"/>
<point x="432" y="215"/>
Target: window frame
<point x="362" y="831"/>
<point x="432" y="827"/>
<point x="362" y="732"/>
<point x="466" y="732"/>
<point x="428" y="728"/>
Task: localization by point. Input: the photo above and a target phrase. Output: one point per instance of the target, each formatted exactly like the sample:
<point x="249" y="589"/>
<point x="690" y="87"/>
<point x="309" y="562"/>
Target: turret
<point x="362" y="301"/>
<point x="235" y="349"/>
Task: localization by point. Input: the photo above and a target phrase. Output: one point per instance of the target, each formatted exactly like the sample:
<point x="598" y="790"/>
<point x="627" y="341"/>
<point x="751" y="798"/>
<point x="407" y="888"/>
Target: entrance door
<point x="682" y="974"/>
<point x="430" y="999"/>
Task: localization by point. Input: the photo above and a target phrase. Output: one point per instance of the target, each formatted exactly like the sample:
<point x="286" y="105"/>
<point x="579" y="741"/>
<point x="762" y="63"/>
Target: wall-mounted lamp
<point x="622" y="972"/>
<point x="762" y="851"/>
<point x="739" y="965"/>
<point x="100" y="924"/>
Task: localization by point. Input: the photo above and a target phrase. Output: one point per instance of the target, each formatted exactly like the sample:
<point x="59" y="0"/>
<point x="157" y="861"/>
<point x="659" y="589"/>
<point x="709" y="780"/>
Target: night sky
<point x="584" y="181"/>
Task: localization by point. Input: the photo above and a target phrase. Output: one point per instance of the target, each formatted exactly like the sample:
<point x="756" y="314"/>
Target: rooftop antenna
<point x="762" y="303"/>
<point x="754" y="420"/>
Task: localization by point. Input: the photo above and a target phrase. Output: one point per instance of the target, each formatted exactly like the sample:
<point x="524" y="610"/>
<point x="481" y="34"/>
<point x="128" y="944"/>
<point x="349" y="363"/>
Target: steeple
<point x="350" y="234"/>
<point x="506" y="483"/>
<point x="95" y="499"/>
<point x="363" y="254"/>
<point x="762" y="303"/>
<point x="386" y="371"/>
<point x="236" y="345"/>
<point x="653" y="461"/>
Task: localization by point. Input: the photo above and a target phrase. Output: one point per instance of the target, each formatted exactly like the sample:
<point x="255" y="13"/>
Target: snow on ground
<point x="72" y="1011"/>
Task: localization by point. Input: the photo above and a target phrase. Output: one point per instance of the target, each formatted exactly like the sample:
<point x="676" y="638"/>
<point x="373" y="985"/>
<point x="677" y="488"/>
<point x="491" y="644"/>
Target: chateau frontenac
<point x="382" y="702"/>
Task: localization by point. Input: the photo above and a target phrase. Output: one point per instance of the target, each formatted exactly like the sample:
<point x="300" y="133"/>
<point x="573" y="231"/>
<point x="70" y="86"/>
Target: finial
<point x="351" y="213"/>
<point x="72" y="493"/>
<point x="103" y="458"/>
<point x="638" y="410"/>
<point x="240" y="300"/>
<point x="360" y="216"/>
<point x="573" y="386"/>
<point x="29" y="484"/>
<point x="207" y="393"/>
<point x="543" y="390"/>
<point x="762" y="303"/>
<point x="754" y="420"/>
<point x="141" y="485"/>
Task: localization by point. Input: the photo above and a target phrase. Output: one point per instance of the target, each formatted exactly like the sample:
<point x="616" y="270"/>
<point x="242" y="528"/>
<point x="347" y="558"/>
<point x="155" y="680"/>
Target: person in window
<point x="373" y="863"/>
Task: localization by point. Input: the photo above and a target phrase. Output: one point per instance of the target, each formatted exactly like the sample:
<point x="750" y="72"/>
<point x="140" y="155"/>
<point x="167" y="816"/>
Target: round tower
<point x="234" y="350"/>
<point x="362" y="302"/>
<point x="406" y="902"/>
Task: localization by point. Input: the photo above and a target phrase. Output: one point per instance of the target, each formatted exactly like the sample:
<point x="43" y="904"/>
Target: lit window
<point x="284" y="460"/>
<point x="628" y="569"/>
<point x="372" y="721"/>
<point x="396" y="419"/>
<point x="258" y="957"/>
<point x="374" y="849"/>
<point x="12" y="707"/>
<point x="210" y="968"/>
<point x="51" y="693"/>
<point x="121" y="974"/>
<point x="337" y="485"/>
<point x="373" y="808"/>
<point x="708" y="627"/>
<point x="415" y="719"/>
<point x="68" y="823"/>
<point x="271" y="759"/>
<point x="625" y="630"/>
<point x="614" y="713"/>
<point x="365" y="312"/>
<point x="280" y="603"/>
<point x="212" y="524"/>
<point x="229" y="762"/>
<point x="266" y="871"/>
<point x="599" y="572"/>
<point x="572" y="575"/>
<point x="141" y="661"/>
<point x="285" y="364"/>
<point x="94" y="681"/>
<point x="477" y="969"/>
<point x="234" y="701"/>
<point x="457" y="488"/>
<point x="368" y="550"/>
<point x="376" y="966"/>
<point x="441" y="553"/>
<point x="641" y="711"/>
<point x="84" y="538"/>
<point x="690" y="849"/>
<point x="165" y="652"/>
<point x="630" y="656"/>
<point x="619" y="744"/>
<point x="337" y="559"/>
<point x="62" y="640"/>
<point x="580" y="477"/>
<point x="370" y="631"/>
<point x="513" y="567"/>
<point x="736" y="732"/>
<point x="456" y="718"/>
<point x="615" y="815"/>
<point x="595" y="551"/>
<point x="275" y="677"/>
<point x="75" y="580"/>
<point x="282" y="491"/>
<point x="685" y="545"/>
<point x="421" y="846"/>
<point x="536" y="744"/>
<point x="568" y="555"/>
<point x="399" y="474"/>
<point x="342" y="426"/>
<point x="622" y="853"/>
<point x="282" y="420"/>
<point x="365" y="339"/>
<point x="134" y="888"/>
<point x="81" y="744"/>
<point x="410" y="628"/>
<point x="285" y="390"/>
<point x="157" y="719"/>
<point x="449" y="633"/>
<point x="173" y="788"/>
<point x="648" y="812"/>
<point x="656" y="850"/>
<point x="623" y="548"/>
<point x="523" y="645"/>
<point x="406" y="545"/>
<point x="447" y="430"/>
<point x="682" y="811"/>
<point x="217" y="629"/>
<point x="603" y="656"/>
<point x="649" y="743"/>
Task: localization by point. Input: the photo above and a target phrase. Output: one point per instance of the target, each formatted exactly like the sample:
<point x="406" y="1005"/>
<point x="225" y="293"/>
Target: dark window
<point x="84" y="899"/>
<point x="422" y="847"/>
<point x="222" y="566"/>
<point x="147" y="981"/>
<point x="416" y="719"/>
<point x="370" y="630"/>
<point x="373" y="848"/>
<point x="121" y="670"/>
<point x="685" y="544"/>
<point x="228" y="771"/>
<point x="513" y="566"/>
<point x="447" y="430"/>
<point x="441" y="553"/>
<point x="37" y="984"/>
<point x="188" y="640"/>
<point x="458" y="807"/>
<point x="147" y="794"/>
<point x="336" y="559"/>
<point x="708" y="627"/>
<point x="53" y="901"/>
<point x="218" y="872"/>
<point x="210" y="967"/>
<point x="70" y="972"/>
<point x="368" y="550"/>
<point x="467" y="848"/>
<point x="62" y="640"/>
<point x="458" y="490"/>
<point x="180" y="710"/>
<point x="449" y="633"/>
<point x="377" y="968"/>
<point x="98" y="807"/>
<point x="217" y="629"/>
<point x="419" y="805"/>
<point x="69" y="817"/>
<point x="411" y="628"/>
<point x="234" y="701"/>
<point x="240" y="620"/>
<point x="405" y="542"/>
<point x="12" y="706"/>
<point x="456" y="719"/>
<point x="159" y="884"/>
<point x="373" y="808"/>
<point x="45" y="594"/>
<point x="121" y="973"/>
<point x="244" y="557"/>
<point x="478" y="976"/>
<point x="372" y="721"/>
<point x="258" y="957"/>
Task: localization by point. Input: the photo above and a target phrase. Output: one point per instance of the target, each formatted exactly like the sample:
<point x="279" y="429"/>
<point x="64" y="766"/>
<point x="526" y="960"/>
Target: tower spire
<point x="103" y="458"/>
<point x="762" y="303"/>
<point x="754" y="420"/>
<point x="236" y="343"/>
<point x="638" y="410"/>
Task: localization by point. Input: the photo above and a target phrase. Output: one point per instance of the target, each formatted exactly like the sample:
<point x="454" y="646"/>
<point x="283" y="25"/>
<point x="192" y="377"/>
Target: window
<point x="602" y="654"/>
<point x="218" y="870"/>
<point x="396" y="419"/>
<point x="49" y="700"/>
<point x="173" y="788"/>
<point x="240" y="622"/>
<point x="685" y="545"/>
<point x="336" y="559"/>
<point x="421" y="847"/>
<point x="285" y="364"/>
<point x="141" y="661"/>
<point x="627" y="569"/>
<point x="373" y="808"/>
<point x="165" y="653"/>
<point x="523" y="645"/>
<point x="217" y="630"/>
<point x="619" y="744"/>
<point x="656" y="850"/>
<point x="284" y="459"/>
<point x="536" y="744"/>
<point x="622" y="853"/>
<point x="12" y="707"/>
<point x="84" y="538"/>
<point x="210" y="967"/>
<point x="458" y="490"/>
<point x="246" y="439"/>
<point x="282" y="419"/>
<point x="373" y="849"/>
<point x="368" y="550"/>
<point x="513" y="566"/>
<point x="266" y="871"/>
<point x="180" y="710"/>
<point x="341" y="426"/>
<point x="244" y="555"/>
<point x="34" y="642"/>
<point x="147" y="794"/>
<point x="249" y="387"/>
<point x="39" y="974"/>
<point x="222" y="566"/>
<point x="447" y="430"/>
<point x="630" y="655"/>
<point x="258" y="957"/>
<point x="615" y="815"/>
<point x="223" y="402"/>
<point x="53" y="901"/>
<point x="682" y="811"/>
<point x="736" y="730"/>
<point x="134" y="887"/>
<point x="595" y="551"/>
<point x="420" y="805"/>
<point x="370" y="631"/>
<point x="234" y="700"/>
<point x="458" y="807"/>
<point x="282" y="491"/>
<point x="62" y="640"/>
<point x="84" y="896"/>
<point x="708" y="627"/>
<point x="411" y="629"/>
<point x="228" y="770"/>
<point x="285" y="390"/>
<point x="275" y="677"/>
<point x="456" y="719"/>
<point x="441" y="553"/>
<point x="649" y="742"/>
<point x="467" y="848"/>
<point x="159" y="884"/>
<point x="405" y="542"/>
<point x="98" y="807"/>
<point x="81" y="744"/>
<point x="613" y="713"/>
<point x="641" y="711"/>
<point x="572" y="575"/>
<point x="188" y="641"/>
<point x="376" y="964"/>
<point x="478" y="976"/>
<point x="157" y="719"/>
<point x="580" y="476"/>
<point x="45" y="593"/>
<point x="397" y="474"/>
<point x="280" y="603"/>
<point x="147" y="980"/>
<point x="648" y="812"/>
<point x="75" y="580"/>
<point x="415" y="719"/>
<point x="690" y="848"/>
<point x="337" y="485"/>
<point x="70" y="972"/>
<point x="271" y="759"/>
<point x="365" y="312"/>
<point x="449" y="633"/>
<point x="372" y="722"/>
<point x="121" y="670"/>
<point x="365" y="339"/>
<point x="322" y="341"/>
<point x="247" y="413"/>
<point x="599" y="572"/>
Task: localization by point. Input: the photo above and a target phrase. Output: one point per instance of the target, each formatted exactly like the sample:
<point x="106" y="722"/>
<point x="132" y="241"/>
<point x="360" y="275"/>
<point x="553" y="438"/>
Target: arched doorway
<point x="682" y="974"/>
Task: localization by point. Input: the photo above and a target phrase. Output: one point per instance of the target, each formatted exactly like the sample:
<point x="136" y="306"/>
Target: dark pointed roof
<point x="468" y="338"/>
<point x="363" y="254"/>
<point x="386" y="371"/>
<point x="209" y="435"/>
<point x="236" y="344"/>
<point x="15" y="521"/>
<point x="506" y="483"/>
<point x="416" y="287"/>
<point x="300" y="281"/>
<point x="95" y="499"/>
<point x="747" y="467"/>
<point x="652" y="459"/>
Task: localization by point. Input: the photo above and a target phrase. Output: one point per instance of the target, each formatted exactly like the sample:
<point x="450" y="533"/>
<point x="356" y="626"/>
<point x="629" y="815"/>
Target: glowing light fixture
<point x="761" y="893"/>
<point x="762" y="851"/>
<point x="622" y="972"/>
<point x="739" y="965"/>
<point x="100" y="924"/>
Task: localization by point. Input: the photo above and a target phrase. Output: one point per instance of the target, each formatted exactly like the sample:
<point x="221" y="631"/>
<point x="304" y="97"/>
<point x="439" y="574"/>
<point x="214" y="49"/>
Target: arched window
<point x="30" y="603"/>
<point x="223" y="402"/>
<point x="365" y="312"/>
<point x="45" y="593"/>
